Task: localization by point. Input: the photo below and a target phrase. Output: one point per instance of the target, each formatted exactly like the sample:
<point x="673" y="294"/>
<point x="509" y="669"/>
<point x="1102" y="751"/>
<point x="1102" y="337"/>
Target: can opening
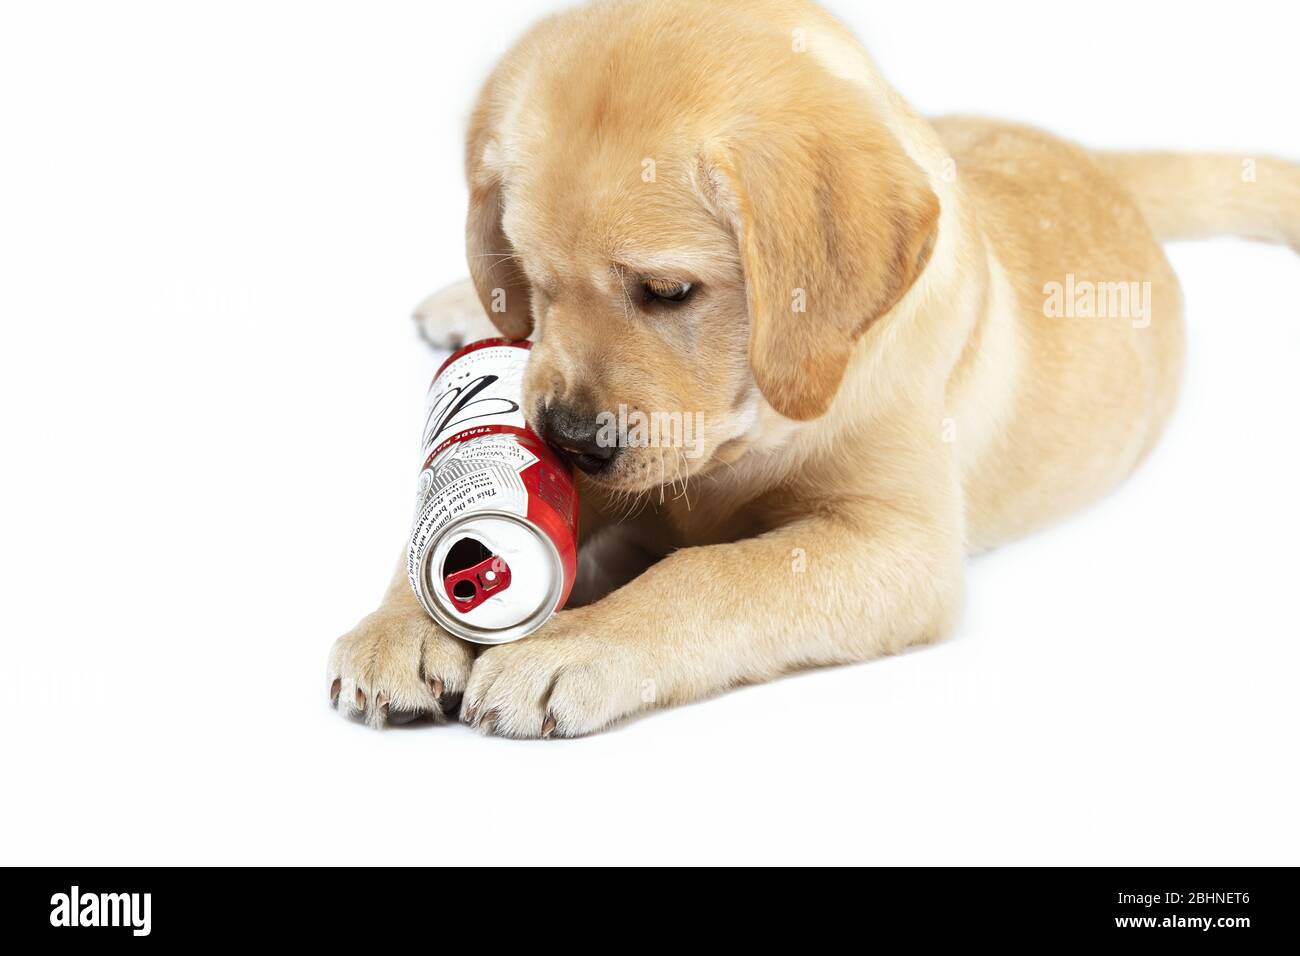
<point x="462" y="556"/>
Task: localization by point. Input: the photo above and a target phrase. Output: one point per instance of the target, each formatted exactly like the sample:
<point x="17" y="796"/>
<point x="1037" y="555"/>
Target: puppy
<point x="907" y="341"/>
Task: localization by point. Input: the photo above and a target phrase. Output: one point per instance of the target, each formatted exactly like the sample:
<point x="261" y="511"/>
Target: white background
<point x="214" y="220"/>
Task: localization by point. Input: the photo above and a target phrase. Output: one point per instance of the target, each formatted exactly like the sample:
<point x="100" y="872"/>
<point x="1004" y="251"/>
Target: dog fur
<point x="919" y="408"/>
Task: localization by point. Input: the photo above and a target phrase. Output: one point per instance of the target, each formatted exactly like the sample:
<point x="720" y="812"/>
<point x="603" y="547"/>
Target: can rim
<point x="484" y="635"/>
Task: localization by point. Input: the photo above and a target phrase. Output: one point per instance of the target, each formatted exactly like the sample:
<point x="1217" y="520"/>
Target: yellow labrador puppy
<point x="903" y="341"/>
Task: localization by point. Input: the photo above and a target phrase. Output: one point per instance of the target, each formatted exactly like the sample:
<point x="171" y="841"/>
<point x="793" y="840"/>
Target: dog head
<point x="696" y="222"/>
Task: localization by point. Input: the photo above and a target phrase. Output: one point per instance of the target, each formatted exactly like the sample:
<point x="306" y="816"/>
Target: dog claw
<point x="436" y="687"/>
<point x="548" y="726"/>
<point x="361" y="699"/>
<point x="334" y="690"/>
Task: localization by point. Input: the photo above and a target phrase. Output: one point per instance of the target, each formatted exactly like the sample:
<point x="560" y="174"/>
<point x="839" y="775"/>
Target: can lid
<point x="527" y="582"/>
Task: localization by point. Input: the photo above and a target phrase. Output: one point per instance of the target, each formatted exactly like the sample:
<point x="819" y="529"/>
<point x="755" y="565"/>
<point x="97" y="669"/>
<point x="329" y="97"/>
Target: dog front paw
<point x="563" y="681"/>
<point x="398" y="666"/>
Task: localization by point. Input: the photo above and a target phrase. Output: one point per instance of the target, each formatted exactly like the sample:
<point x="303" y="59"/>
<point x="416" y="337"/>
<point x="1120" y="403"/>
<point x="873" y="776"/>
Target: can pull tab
<point x="474" y="585"/>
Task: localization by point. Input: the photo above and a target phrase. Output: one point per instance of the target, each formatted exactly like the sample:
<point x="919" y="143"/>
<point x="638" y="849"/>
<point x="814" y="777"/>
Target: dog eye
<point x="660" y="290"/>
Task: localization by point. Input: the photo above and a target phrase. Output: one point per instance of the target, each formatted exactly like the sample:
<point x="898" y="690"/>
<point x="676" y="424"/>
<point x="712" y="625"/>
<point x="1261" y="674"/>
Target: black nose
<point x="577" y="436"/>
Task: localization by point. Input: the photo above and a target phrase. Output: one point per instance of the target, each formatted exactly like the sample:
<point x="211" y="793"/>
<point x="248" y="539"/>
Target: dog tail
<point x="1199" y="195"/>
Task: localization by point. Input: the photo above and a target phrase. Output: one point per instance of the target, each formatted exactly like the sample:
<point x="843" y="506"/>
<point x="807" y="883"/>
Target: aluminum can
<point x="493" y="549"/>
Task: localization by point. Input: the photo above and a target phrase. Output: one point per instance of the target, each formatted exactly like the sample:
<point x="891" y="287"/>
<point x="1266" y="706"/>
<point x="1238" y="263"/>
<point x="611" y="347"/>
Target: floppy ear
<point x="834" y="223"/>
<point x="501" y="284"/>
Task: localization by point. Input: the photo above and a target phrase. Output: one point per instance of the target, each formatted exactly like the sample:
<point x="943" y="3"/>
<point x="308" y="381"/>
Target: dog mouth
<point x="592" y="461"/>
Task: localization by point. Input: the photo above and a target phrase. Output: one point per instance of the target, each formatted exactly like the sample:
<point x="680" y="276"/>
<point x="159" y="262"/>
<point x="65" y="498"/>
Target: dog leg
<point x="858" y="583"/>
<point x="397" y="665"/>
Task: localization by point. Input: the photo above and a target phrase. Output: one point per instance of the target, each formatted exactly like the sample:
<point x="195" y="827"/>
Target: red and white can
<point x="493" y="550"/>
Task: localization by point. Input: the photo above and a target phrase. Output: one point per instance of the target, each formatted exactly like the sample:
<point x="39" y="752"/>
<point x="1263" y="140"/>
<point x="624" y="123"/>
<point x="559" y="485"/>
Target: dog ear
<point x="501" y="284"/>
<point x="834" y="223"/>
